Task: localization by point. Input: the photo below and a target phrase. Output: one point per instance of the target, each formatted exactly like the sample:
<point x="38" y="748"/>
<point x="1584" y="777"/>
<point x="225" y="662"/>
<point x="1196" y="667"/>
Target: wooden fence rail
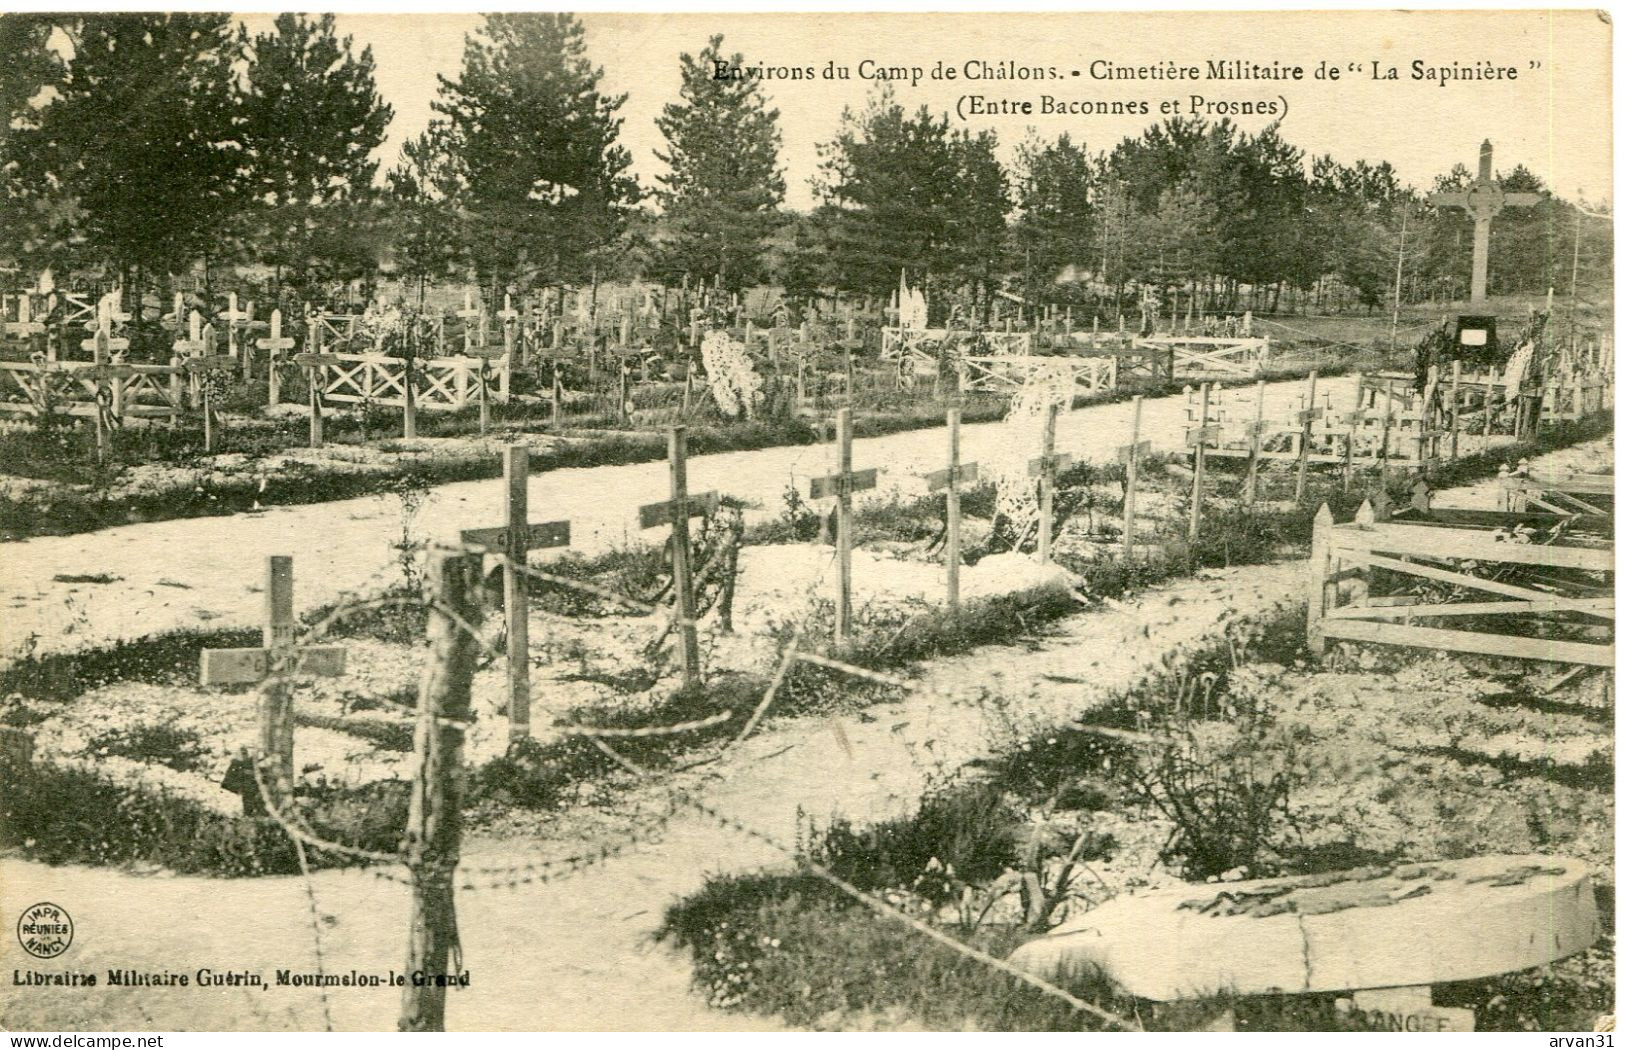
<point x="1567" y="586"/>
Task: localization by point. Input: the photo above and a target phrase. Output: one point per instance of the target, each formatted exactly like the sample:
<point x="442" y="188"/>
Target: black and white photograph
<point x="664" y="521"/>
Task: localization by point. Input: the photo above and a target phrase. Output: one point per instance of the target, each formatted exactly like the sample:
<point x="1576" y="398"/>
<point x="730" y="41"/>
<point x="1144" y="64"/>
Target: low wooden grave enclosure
<point x="1382" y="581"/>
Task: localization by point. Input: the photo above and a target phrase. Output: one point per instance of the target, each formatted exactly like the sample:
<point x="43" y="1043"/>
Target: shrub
<point x="970" y="831"/>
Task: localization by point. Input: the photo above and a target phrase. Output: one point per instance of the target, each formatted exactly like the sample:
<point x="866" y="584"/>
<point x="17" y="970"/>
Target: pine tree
<point x="1055" y="227"/>
<point x="529" y="152"/>
<point x="141" y="135"/>
<point x="722" y="193"/>
<point x="312" y="118"/>
<point x="38" y="218"/>
<point x="425" y="232"/>
<point x="909" y="195"/>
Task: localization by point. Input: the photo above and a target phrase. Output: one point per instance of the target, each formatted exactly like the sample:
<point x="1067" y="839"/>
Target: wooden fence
<point x="84" y="388"/>
<point x="442" y="383"/>
<point x="1386" y="582"/>
<point x="1212" y="356"/>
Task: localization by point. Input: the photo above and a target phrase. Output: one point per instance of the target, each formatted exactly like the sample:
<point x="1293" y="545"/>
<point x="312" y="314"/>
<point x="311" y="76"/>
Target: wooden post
<point x="276" y="696"/>
<point x="409" y="403"/>
<point x="1320" y="548"/>
<point x="950" y="479"/>
<point x="272" y="667"/>
<point x="1306" y="417"/>
<point x="1356" y="414"/>
<point x="1046" y="486"/>
<point x="843" y="524"/>
<point x="1387" y="423"/>
<point x="621" y="411"/>
<point x="516" y="587"/>
<point x="1455" y="408"/>
<point x="558" y="396"/>
<point x="1254" y="445"/>
<point x="682" y="584"/>
<point x="1489" y="400"/>
<point x="1199" y="465"/>
<point x="434" y="816"/>
<point x="1131" y="482"/>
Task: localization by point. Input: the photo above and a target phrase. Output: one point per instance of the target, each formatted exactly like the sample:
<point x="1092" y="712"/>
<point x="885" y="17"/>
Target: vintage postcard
<point x="757" y="522"/>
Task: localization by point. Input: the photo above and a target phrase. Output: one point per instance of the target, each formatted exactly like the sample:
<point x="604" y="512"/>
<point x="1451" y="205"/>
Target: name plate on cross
<point x="249" y="666"/>
<point x="538" y="535"/>
<point x="1134" y="451"/>
<point x="1201" y="435"/>
<point x="703" y="504"/>
<point x="844" y="484"/>
<point x="1049" y="464"/>
<point x="965" y="473"/>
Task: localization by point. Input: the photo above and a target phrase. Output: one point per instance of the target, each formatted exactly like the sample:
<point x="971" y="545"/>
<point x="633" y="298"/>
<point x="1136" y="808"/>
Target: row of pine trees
<point x="145" y="144"/>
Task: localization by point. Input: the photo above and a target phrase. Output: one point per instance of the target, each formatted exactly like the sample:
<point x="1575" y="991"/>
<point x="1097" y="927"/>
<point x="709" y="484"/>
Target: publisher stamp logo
<point x="45" y="930"/>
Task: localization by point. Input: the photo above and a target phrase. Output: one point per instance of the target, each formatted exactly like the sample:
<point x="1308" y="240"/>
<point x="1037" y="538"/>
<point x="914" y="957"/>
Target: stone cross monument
<point x="1483" y="199"/>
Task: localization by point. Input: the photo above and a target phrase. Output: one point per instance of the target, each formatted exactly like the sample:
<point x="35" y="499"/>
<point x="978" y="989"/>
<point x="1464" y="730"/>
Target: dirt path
<point x="576" y="953"/>
<point x="178" y="574"/>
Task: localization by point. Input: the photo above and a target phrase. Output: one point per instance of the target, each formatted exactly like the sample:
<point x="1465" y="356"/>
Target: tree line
<point x="143" y="145"/>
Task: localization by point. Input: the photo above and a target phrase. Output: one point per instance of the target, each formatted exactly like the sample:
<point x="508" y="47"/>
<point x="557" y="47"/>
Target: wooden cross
<point x="1196" y="439"/>
<point x="841" y="485"/>
<point x="1306" y="419"/>
<point x="313" y="365"/>
<point x="102" y="345"/>
<point x="1046" y="468"/>
<point x="274" y="344"/>
<point x="1129" y="455"/>
<point x="273" y="663"/>
<point x="469" y="313"/>
<point x="951" y="478"/>
<point x="234" y="319"/>
<point x="198" y="367"/>
<point x="676" y="512"/>
<point x="513" y="542"/>
<point x="1255" y="445"/>
<point x="1483" y="199"/>
<point x="24" y="326"/>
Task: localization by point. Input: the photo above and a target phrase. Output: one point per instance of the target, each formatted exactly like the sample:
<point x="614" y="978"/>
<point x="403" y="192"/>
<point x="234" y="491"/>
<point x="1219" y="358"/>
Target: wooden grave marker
<point x="1255" y="442"/>
<point x="950" y="478"/>
<point x="1129" y="455"/>
<point x="1196" y="439"/>
<point x="513" y="542"/>
<point x="1046" y="468"/>
<point x="237" y="319"/>
<point x="1306" y="421"/>
<point x="274" y="344"/>
<point x="205" y="370"/>
<point x="676" y="512"/>
<point x="272" y="665"/>
<point x="841" y="485"/>
<point x="313" y="363"/>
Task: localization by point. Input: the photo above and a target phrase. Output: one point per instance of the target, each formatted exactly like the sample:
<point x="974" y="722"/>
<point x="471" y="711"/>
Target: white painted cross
<point x="274" y="344"/>
<point x="24" y="325"/>
<point x="469" y="314"/>
<point x="1483" y="199"/>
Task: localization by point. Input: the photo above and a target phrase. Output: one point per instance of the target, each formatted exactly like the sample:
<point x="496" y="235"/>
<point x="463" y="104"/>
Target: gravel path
<point x="576" y="953"/>
<point x="179" y="574"/>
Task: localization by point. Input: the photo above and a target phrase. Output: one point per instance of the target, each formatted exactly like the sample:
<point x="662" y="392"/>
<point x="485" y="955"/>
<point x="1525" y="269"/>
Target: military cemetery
<point x="1158" y="584"/>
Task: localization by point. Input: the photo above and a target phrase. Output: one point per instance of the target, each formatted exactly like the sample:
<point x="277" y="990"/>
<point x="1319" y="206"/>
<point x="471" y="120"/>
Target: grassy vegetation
<point x="57" y="451"/>
<point x="547" y="776"/>
<point x="978" y="850"/>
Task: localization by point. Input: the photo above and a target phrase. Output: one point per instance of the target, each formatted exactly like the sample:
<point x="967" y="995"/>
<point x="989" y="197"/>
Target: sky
<point x="1555" y="117"/>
